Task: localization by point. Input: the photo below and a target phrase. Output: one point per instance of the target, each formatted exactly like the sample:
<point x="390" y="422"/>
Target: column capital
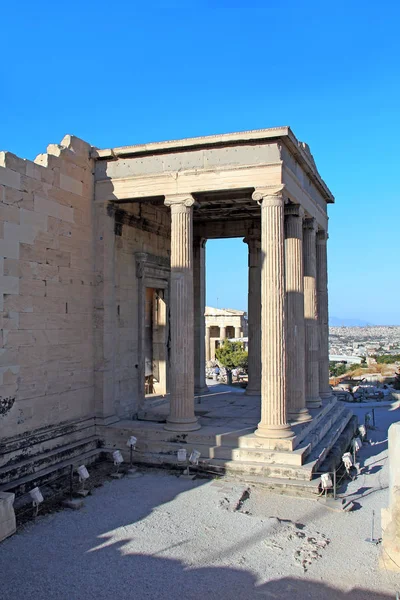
<point x="179" y="201"/>
<point x="253" y="236"/>
<point x="310" y="224"/>
<point x="294" y="210"/>
<point x="322" y="236"/>
<point x="271" y="196"/>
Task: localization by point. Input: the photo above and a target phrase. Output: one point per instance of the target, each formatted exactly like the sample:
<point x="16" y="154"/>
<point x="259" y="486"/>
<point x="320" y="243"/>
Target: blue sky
<point x="131" y="72"/>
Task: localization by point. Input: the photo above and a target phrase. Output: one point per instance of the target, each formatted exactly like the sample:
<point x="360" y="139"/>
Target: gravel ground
<point x="159" y="536"/>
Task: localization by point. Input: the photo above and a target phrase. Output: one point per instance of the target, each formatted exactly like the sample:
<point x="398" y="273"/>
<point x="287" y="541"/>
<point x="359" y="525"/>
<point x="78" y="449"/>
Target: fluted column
<point x="311" y="315"/>
<point x="295" y="352"/>
<point x="199" y="286"/>
<point x="323" y="320"/>
<point x="253" y="240"/>
<point x="238" y="332"/>
<point x="181" y="417"/>
<point x="222" y="333"/>
<point x="208" y="353"/>
<point x="273" y="424"/>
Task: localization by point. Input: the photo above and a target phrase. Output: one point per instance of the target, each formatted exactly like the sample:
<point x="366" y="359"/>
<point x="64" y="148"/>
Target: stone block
<point x="32" y="287"/>
<point x="15" y="339"/>
<point x="9" y="285"/>
<point x="53" y="209"/>
<point x="34" y="171"/>
<point x="10" y="178"/>
<point x="19" y="304"/>
<point x="32" y="321"/>
<point x="48" y="305"/>
<point x="9" y="213"/>
<point x="18" y="198"/>
<point x="35" y="252"/>
<point x="9" y="248"/>
<point x="58" y="258"/>
<point x="70" y="185"/>
<point x="22" y="233"/>
<point x="7" y="515"/>
<point x="30" y="217"/>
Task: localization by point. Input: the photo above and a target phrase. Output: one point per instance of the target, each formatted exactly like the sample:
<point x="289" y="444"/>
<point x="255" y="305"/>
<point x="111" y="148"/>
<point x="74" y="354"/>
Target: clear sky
<point x="120" y="73"/>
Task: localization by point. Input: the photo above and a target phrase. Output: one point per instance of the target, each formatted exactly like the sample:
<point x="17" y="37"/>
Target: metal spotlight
<point x="118" y="460"/>
<point x="37" y="499"/>
<point x="83" y="474"/>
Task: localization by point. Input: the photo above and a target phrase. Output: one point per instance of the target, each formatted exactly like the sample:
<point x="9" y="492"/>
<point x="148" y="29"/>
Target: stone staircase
<point x="237" y="451"/>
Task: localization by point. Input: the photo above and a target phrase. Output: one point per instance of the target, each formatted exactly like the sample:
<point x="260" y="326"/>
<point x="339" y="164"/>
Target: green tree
<point x="337" y="369"/>
<point x="232" y="355"/>
<point x="387" y="359"/>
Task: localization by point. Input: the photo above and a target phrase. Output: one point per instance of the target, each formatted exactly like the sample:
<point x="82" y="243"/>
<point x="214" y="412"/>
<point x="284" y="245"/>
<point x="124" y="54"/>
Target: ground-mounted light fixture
<point x="118" y="460"/>
<point x="37" y="498"/>
<point x="132" y="471"/>
<point x="192" y="460"/>
<point x="356" y="445"/>
<point x="326" y="481"/>
<point x="83" y="475"/>
<point x="349" y="466"/>
<point x="362" y="432"/>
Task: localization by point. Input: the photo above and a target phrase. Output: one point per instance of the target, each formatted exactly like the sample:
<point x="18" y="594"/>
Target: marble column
<point x="222" y="334"/>
<point x="323" y="321"/>
<point x="199" y="287"/>
<point x="295" y="353"/>
<point x="208" y="349"/>
<point x="311" y="314"/>
<point x="273" y="424"/>
<point x="238" y="332"/>
<point x="253" y="240"/>
<point x="181" y="416"/>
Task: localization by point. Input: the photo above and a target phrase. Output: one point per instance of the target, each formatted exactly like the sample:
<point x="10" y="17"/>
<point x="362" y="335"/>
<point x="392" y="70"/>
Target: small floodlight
<point x="83" y="473"/>
<point x="118" y="460"/>
<point x="347" y="461"/>
<point x="357" y="444"/>
<point x="36" y="496"/>
<point x="362" y="431"/>
<point x="181" y="455"/>
<point x="326" y="481"/>
<point x="117" y="456"/>
<point x="194" y="457"/>
<point x="37" y="499"/>
<point x="132" y="471"/>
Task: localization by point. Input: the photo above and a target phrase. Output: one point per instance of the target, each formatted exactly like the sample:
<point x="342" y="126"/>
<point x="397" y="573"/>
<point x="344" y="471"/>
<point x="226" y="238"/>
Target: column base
<point x="274" y="432"/>
<point x="300" y="416"/>
<point x="252" y="392"/>
<point x="313" y="402"/>
<point x="178" y="425"/>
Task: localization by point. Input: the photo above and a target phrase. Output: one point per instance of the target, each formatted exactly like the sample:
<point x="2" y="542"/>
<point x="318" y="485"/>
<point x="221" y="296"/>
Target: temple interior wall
<point x="129" y="241"/>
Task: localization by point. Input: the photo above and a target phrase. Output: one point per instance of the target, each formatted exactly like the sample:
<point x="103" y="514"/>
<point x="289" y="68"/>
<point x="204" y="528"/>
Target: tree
<point x="232" y="355"/>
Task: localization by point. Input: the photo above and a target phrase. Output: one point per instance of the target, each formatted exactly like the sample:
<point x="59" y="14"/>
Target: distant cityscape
<point x="364" y="341"/>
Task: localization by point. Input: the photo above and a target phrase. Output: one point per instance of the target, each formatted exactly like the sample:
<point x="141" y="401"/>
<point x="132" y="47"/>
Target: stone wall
<point x="46" y="297"/>
<point x="150" y="234"/>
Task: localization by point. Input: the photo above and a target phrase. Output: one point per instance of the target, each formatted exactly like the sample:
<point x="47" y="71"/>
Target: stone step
<point x="29" y="466"/>
<point x="221" y="466"/>
<point x="322" y="426"/>
<point x="321" y="450"/>
<point x="227" y="453"/>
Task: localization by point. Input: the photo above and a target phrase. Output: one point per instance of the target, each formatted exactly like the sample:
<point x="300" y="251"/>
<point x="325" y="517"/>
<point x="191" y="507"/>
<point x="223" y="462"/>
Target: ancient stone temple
<point x="102" y="292"/>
